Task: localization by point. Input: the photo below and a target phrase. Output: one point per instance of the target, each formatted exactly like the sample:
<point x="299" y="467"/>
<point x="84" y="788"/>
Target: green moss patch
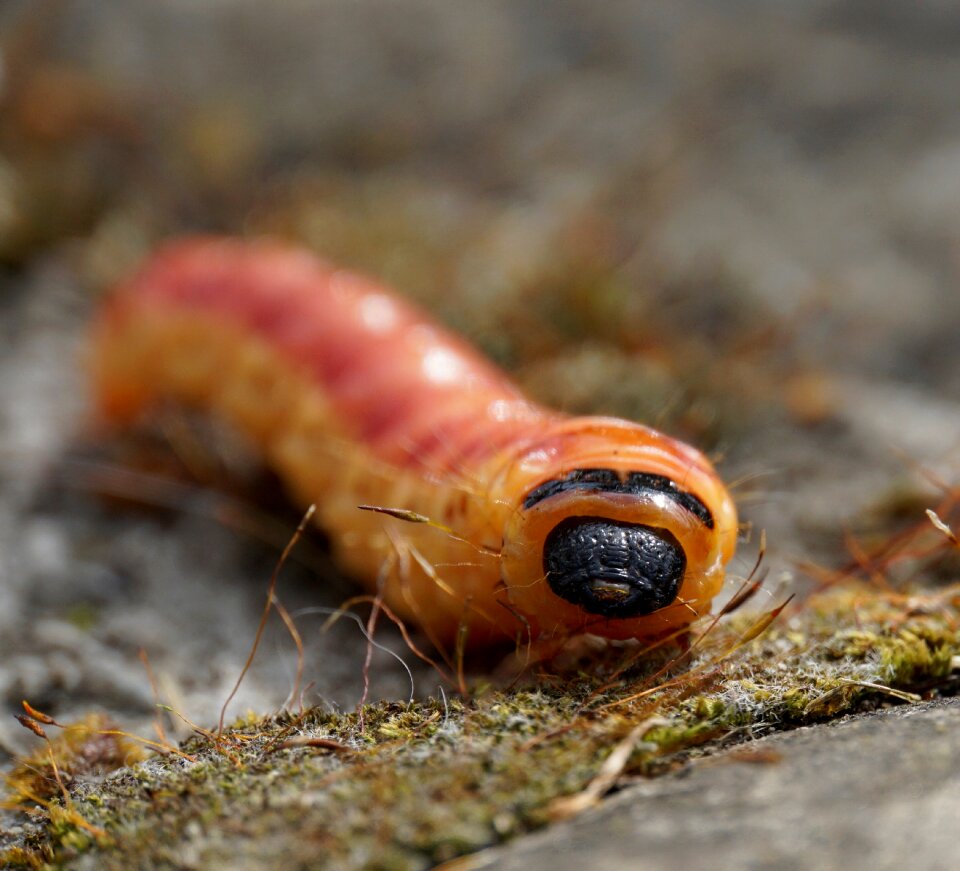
<point x="420" y="783"/>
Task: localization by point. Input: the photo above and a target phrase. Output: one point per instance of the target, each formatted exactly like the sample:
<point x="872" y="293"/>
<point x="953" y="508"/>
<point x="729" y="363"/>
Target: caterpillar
<point x="537" y="525"/>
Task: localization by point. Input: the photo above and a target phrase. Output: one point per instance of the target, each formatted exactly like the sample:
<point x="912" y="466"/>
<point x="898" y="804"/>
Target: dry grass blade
<point x="271" y="590"/>
<point x="33" y="713"/>
<point x="368" y="657"/>
<point x="408" y="516"/>
<point x="758" y="628"/>
<point x="942" y="527"/>
<point x="823" y="702"/>
<point x="746" y="592"/>
<point x="301" y="659"/>
<point x="309" y="741"/>
<point x="31" y="724"/>
<point x="606" y="778"/>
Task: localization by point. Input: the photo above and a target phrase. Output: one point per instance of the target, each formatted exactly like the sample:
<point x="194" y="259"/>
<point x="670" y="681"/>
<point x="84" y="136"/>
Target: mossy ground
<point x="410" y="785"/>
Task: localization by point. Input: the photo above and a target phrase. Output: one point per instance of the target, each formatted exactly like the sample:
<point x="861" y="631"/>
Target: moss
<point x="23" y="857"/>
<point x="430" y="781"/>
<point x="90" y="748"/>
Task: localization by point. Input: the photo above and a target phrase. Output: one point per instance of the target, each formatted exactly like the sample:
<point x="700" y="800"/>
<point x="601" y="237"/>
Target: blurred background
<point x="737" y="220"/>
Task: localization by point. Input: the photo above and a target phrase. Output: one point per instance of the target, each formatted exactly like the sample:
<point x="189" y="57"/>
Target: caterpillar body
<point x="543" y="526"/>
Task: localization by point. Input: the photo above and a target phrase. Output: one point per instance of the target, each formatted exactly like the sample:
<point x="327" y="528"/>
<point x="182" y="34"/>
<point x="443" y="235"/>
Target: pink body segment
<point x="355" y="398"/>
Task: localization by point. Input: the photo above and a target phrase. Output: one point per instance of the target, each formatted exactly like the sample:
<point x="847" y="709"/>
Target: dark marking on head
<point x="611" y="568"/>
<point x="607" y="481"/>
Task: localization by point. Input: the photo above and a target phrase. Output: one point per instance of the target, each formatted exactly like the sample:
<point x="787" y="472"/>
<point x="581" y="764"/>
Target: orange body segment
<point x="355" y="398"/>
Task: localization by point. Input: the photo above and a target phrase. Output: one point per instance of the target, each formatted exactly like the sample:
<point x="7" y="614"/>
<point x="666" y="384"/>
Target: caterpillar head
<point x="620" y="531"/>
<point x="613" y="569"/>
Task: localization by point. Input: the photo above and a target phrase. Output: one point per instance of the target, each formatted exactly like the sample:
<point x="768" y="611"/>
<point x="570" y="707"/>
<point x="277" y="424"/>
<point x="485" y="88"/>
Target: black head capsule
<point x="611" y="568"/>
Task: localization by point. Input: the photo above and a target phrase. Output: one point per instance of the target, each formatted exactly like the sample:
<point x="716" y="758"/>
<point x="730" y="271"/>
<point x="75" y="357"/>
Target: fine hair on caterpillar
<point x="489" y="520"/>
